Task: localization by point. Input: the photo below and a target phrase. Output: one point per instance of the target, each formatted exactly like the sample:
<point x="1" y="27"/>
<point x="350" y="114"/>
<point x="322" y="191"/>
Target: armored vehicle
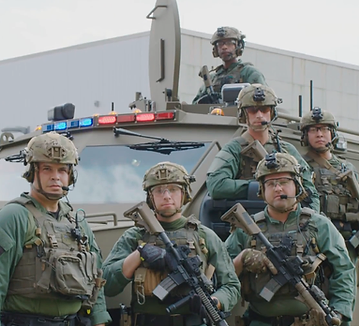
<point x="116" y="149"/>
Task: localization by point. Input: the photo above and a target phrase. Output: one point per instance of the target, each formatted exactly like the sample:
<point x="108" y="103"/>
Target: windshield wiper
<point x="163" y="146"/>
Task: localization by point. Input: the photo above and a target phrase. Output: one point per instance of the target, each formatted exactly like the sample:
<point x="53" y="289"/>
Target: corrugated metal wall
<point x="94" y="75"/>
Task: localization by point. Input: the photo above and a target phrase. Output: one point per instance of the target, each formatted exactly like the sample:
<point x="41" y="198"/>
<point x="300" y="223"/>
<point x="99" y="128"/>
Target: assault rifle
<point x="255" y="150"/>
<point x="289" y="270"/>
<point x="187" y="270"/>
<point x="212" y="95"/>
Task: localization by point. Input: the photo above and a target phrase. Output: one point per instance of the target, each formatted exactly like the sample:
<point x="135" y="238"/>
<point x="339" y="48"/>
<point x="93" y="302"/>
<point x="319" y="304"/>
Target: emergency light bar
<point x="108" y="120"/>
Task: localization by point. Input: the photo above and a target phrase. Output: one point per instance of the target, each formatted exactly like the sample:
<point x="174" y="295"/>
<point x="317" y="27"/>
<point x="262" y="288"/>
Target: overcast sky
<point x="323" y="28"/>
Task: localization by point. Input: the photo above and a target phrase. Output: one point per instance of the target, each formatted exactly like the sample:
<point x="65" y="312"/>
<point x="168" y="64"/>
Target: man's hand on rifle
<point x="157" y="258"/>
<point x="197" y="308"/>
<point x="256" y="262"/>
<point x="153" y="256"/>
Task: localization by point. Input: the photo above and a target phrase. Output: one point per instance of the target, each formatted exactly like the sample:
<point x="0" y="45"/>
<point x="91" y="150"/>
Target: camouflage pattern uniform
<point x="231" y="172"/>
<point x="182" y="231"/>
<point x="312" y="235"/>
<point x="336" y="200"/>
<point x="237" y="72"/>
<point x="26" y="229"/>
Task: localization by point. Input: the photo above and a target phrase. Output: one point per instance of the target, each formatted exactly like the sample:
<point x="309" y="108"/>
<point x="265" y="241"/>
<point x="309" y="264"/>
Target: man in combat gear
<point x="141" y="258"/>
<point x="50" y="262"/>
<point x="335" y="179"/>
<point x="305" y="234"/>
<point x="228" y="44"/>
<point x="232" y="171"/>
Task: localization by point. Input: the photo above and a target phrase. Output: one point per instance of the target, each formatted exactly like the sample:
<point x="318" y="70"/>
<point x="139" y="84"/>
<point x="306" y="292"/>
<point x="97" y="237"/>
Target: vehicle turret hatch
<point x="164" y="52"/>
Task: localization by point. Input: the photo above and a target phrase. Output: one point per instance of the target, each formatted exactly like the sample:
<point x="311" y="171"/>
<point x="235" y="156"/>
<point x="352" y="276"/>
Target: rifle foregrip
<point x="313" y="304"/>
<point x="210" y="309"/>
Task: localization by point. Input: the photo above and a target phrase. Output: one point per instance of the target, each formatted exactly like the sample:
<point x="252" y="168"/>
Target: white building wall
<point x="113" y="70"/>
<point x="104" y="72"/>
<point x="335" y="84"/>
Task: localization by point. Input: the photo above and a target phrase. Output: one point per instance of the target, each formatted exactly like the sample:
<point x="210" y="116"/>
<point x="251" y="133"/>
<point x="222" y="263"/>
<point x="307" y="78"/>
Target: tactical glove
<point x="152" y="256"/>
<point x="256" y="262"/>
<point x="196" y="306"/>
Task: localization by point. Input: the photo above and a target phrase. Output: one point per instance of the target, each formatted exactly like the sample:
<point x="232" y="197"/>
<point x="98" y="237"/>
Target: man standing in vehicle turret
<point x="335" y="179"/>
<point x="231" y="172"/>
<point x="140" y="257"/>
<point x="228" y="44"/>
<point x="306" y="238"/>
<point x="50" y="263"/>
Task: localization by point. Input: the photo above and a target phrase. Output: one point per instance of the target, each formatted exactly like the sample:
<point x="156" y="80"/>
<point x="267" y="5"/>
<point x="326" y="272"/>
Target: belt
<point x="273" y="321"/>
<point x="14" y="318"/>
<point x="168" y="320"/>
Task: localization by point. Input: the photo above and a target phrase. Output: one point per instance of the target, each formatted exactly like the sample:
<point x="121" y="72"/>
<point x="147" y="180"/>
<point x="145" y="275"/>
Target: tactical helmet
<point x="315" y="117"/>
<point x="228" y="33"/>
<point x="278" y="163"/>
<point x="51" y="148"/>
<point x="257" y="95"/>
<point x="167" y="172"/>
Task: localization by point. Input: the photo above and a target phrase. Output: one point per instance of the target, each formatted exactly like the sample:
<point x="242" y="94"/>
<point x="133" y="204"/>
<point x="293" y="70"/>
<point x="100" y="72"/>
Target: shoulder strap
<point x="259" y="217"/>
<point x="307" y="211"/>
<point x="216" y="69"/>
<point x="321" y="161"/>
<point x="192" y="222"/>
<point x="34" y="215"/>
<point x="19" y="200"/>
<point x="28" y="204"/>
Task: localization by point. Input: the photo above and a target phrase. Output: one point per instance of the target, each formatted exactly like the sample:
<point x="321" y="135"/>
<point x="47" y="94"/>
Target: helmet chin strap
<point x="47" y="195"/>
<point x="326" y="148"/>
<point x="284" y="210"/>
<point x="259" y="128"/>
<point x="298" y="198"/>
<point x="265" y="124"/>
<point x="167" y="213"/>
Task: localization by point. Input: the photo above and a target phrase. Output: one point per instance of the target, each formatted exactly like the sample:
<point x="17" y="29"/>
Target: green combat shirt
<point x="330" y="243"/>
<point x="228" y="291"/>
<point x="14" y="229"/>
<point x="238" y="72"/>
<point x="228" y="163"/>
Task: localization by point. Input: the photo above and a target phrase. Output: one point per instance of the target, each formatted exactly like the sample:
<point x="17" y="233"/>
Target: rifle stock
<point x="289" y="270"/>
<point x="187" y="271"/>
<point x="255" y="150"/>
<point x="352" y="183"/>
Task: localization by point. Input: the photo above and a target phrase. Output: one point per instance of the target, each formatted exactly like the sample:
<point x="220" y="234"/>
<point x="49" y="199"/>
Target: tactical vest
<point x="145" y="279"/>
<point x="303" y="246"/>
<point x="231" y="77"/>
<point x="335" y="198"/>
<point x="52" y="265"/>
